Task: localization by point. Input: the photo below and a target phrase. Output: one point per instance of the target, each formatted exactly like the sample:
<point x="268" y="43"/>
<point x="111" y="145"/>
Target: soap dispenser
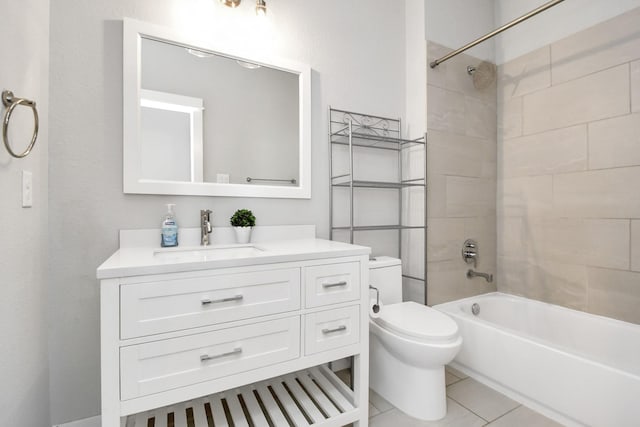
<point x="169" y="232"/>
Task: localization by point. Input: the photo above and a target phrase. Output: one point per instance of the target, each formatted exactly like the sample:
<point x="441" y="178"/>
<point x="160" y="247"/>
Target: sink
<point x="208" y="253"/>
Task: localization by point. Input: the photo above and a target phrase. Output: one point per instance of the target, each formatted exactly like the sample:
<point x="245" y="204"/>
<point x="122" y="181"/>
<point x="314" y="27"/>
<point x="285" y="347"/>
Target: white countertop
<point x="137" y="261"/>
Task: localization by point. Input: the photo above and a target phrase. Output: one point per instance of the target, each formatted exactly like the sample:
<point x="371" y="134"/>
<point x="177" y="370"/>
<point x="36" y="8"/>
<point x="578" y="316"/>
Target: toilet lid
<point x="418" y="321"/>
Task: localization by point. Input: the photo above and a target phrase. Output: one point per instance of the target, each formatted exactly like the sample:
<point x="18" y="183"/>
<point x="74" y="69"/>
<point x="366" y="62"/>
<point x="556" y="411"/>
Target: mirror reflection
<point x="209" y="118"/>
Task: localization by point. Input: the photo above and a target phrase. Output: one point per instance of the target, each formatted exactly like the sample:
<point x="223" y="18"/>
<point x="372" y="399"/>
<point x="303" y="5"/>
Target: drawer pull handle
<point x="214" y="301"/>
<point x="334" y="285"/>
<point x="206" y="357"/>
<point x="338" y="329"/>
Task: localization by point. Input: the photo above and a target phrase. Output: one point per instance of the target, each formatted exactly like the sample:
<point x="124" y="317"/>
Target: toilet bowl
<point x="409" y="345"/>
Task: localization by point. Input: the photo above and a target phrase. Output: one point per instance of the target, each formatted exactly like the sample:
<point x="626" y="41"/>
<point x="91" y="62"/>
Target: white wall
<point x="551" y="25"/>
<point x="416" y="65"/>
<point x="454" y="23"/>
<point x="24" y="372"/>
<point x="356" y="50"/>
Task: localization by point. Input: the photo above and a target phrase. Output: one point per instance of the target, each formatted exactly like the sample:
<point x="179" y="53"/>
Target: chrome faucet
<point x="205" y="227"/>
<point x="471" y="274"/>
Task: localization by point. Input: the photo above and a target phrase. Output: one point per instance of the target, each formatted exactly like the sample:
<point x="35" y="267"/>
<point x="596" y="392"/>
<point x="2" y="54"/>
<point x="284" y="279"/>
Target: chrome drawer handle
<point x="338" y="329"/>
<point x="206" y="357"/>
<point x="214" y="301"/>
<point x="334" y="285"/>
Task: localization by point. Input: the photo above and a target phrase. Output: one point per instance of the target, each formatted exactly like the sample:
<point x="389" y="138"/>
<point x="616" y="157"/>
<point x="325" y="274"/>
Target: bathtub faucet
<point x="471" y="274"/>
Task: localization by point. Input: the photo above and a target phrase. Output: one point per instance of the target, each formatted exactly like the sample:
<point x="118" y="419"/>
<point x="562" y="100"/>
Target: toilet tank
<point x="385" y="273"/>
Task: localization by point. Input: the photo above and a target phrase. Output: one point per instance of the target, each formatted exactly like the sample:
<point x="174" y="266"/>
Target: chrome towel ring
<point x="11" y="102"/>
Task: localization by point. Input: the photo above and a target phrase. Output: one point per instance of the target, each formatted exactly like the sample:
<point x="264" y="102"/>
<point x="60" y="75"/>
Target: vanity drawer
<point x="171" y="305"/>
<point x="326" y="330"/>
<point x="168" y="364"/>
<point x="332" y="283"/>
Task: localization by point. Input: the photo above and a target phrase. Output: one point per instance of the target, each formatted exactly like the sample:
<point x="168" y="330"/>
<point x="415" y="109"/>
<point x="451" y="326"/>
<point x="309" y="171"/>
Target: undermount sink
<point x="206" y="253"/>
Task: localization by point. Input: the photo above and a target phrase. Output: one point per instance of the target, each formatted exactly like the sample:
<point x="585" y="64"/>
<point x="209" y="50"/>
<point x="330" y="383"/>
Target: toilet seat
<point x="418" y="322"/>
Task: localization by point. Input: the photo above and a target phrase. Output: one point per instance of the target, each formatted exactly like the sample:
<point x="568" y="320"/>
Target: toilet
<point x="409" y="345"/>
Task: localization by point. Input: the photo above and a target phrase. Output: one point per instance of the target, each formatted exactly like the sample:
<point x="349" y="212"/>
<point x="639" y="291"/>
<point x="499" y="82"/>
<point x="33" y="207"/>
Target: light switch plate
<point x="27" y="189"/>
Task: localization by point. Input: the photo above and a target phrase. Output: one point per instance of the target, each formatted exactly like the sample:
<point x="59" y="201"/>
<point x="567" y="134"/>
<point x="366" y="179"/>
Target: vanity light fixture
<point x="261" y="8"/>
<point x="230" y="3"/>
<point x="261" y="5"/>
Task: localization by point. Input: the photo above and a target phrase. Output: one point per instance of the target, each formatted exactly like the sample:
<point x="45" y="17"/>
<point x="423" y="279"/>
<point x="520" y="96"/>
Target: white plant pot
<point x="243" y="234"/>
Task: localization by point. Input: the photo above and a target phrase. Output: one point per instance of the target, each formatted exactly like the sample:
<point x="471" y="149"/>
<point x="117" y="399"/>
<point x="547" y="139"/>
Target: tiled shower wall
<point x="569" y="171"/>
<point x="461" y="126"/>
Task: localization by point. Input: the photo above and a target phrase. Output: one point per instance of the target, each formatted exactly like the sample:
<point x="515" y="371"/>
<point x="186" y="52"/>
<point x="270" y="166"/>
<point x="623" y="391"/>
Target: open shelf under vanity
<point x="311" y="397"/>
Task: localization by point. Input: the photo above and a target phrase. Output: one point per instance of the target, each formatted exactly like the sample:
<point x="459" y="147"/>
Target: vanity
<point x="226" y="335"/>
<point x="235" y="334"/>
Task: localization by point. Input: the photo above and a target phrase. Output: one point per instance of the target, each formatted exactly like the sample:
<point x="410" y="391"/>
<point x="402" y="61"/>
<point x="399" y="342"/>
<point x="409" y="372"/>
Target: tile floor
<point x="469" y="404"/>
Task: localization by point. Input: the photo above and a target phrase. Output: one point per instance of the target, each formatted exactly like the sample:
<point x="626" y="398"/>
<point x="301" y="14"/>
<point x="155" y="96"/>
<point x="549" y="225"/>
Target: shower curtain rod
<point x="497" y="31"/>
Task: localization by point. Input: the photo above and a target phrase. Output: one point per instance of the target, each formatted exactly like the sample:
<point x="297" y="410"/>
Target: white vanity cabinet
<point x="235" y="339"/>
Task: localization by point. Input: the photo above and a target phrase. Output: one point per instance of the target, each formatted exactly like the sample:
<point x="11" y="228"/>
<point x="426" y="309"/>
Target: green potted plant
<point x="243" y="222"/>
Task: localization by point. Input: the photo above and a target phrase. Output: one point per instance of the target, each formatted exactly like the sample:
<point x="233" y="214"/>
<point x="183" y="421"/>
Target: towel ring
<point x="10" y="102"/>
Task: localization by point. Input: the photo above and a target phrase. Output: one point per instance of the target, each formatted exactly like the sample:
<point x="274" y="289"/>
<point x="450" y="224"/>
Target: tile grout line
<point x="458" y="379"/>
<point x="508" y="412"/>
<point x="477" y="415"/>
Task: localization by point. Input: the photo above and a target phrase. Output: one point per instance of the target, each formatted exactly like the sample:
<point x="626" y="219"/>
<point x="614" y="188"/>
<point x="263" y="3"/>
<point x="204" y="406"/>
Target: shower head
<point x="484" y="74"/>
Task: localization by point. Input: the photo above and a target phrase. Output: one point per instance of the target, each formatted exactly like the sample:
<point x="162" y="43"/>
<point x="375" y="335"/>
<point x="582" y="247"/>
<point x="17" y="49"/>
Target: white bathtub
<point x="575" y="367"/>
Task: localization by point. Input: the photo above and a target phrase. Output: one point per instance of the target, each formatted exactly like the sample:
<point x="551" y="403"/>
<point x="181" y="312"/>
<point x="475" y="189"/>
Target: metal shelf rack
<point x="361" y="132"/>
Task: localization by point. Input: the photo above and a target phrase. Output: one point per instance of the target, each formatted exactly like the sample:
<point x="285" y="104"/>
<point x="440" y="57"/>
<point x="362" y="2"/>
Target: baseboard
<point x="87" y="422"/>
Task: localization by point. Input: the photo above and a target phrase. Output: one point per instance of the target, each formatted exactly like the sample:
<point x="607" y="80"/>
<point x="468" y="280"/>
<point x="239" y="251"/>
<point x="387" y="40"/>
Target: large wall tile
<point x="470" y="197"/>
<point x="528" y="73"/>
<point x="607" y="193"/>
<point x="510" y="118"/>
<point x="512" y="237"/>
<point x="462" y="168"/>
<point x="556" y="283"/>
<point x="445" y="110"/>
<point x="453" y="75"/>
<point x="556" y="239"/>
<point x="445" y="238"/>
<point x="635" y="245"/>
<point x="460" y="155"/>
<point x="562" y="150"/>
<point x="448" y="282"/>
<point x="596" y="96"/>
<point x="526" y="196"/>
<point x="436" y="195"/>
<point x="614" y="293"/>
<point x="480" y="118"/>
<point x="602" y="46"/>
<point x="615" y="142"/>
<point x="607" y="243"/>
<point x="437" y="76"/>
<point x="483" y="231"/>
<point x="635" y="87"/>
<point x="568" y="209"/>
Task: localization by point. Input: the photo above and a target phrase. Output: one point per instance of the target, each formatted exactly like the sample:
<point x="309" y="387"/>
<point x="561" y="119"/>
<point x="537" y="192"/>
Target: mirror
<point x="200" y="120"/>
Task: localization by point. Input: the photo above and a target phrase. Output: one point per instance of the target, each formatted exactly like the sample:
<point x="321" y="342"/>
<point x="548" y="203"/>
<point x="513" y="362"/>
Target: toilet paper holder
<point x="376" y="306"/>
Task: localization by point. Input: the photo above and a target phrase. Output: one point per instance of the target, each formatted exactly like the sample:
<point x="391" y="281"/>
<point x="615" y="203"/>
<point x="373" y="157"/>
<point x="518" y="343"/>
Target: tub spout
<point x="471" y="274"/>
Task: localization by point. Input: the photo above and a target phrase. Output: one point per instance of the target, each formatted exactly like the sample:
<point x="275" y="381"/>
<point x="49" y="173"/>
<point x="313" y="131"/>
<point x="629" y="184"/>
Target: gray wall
<point x="356" y="50"/>
<point x="24" y="388"/>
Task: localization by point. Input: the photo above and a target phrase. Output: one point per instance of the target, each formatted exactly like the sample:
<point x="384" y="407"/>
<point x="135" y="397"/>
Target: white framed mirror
<point x="203" y="120"/>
